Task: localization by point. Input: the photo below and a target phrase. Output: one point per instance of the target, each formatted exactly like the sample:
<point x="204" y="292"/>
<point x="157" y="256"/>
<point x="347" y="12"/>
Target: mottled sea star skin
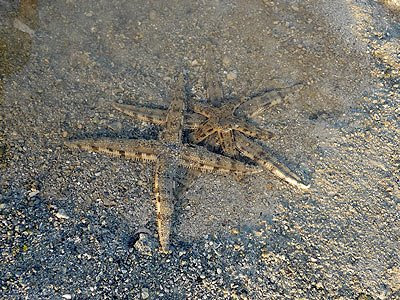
<point x="218" y="125"/>
<point x="168" y="153"/>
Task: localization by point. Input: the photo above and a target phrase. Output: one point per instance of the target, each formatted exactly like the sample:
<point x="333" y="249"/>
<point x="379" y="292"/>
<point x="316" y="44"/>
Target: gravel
<point x="77" y="225"/>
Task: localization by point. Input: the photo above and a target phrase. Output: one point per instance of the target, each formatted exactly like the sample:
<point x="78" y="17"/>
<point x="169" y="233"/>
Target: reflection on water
<point x="15" y="47"/>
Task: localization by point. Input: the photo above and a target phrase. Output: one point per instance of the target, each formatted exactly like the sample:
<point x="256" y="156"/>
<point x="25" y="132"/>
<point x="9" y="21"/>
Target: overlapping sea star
<point x="218" y="125"/>
<point x="168" y="154"/>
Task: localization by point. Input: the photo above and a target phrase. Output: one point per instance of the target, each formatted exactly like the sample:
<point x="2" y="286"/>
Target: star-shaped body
<point x="220" y="125"/>
<point x="168" y="154"/>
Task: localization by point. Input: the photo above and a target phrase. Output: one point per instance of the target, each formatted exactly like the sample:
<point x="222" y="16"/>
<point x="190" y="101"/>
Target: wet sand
<point x="70" y="220"/>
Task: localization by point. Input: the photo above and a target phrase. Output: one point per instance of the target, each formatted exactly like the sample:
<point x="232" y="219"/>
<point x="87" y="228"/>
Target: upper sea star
<point x="219" y="125"/>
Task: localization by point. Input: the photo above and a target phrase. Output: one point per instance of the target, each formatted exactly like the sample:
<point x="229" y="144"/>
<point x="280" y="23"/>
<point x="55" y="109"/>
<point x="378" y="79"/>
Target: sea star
<point x="168" y="153"/>
<point x="219" y="126"/>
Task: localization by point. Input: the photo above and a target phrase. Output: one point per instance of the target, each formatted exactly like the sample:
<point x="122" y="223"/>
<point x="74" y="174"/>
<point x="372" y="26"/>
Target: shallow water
<point x="68" y="218"/>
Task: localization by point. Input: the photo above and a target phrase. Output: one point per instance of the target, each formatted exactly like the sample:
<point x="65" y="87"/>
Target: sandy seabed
<point x="69" y="220"/>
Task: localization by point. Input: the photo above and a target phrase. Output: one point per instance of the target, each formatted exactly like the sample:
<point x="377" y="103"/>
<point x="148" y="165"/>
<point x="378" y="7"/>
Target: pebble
<point x="145" y="293"/>
<point x="33" y="193"/>
<point x="64" y="134"/>
<point x="116" y="126"/>
<point x="319" y="285"/>
<point x="153" y="15"/>
<point x="234" y="231"/>
<point x="61" y="215"/>
<point x="231" y="76"/>
<point x="295" y="8"/>
<point x="144" y="245"/>
<point x="67" y="296"/>
<point x="167" y="79"/>
<point x="226" y="61"/>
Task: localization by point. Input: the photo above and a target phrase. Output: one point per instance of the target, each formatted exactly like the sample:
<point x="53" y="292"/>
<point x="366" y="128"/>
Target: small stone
<point x="116" y="126"/>
<point x="145" y="245"/>
<point x="67" y="296"/>
<point x="295" y="8"/>
<point x="226" y="61"/>
<point x="219" y="271"/>
<point x="107" y="202"/>
<point x="2" y="150"/>
<point x="33" y="193"/>
<point x="62" y="215"/>
<point x="231" y="76"/>
<point x="145" y="293"/>
<point x="153" y="15"/>
<point x="234" y="231"/>
<point x="195" y="63"/>
<point x="64" y="134"/>
<point x="319" y="285"/>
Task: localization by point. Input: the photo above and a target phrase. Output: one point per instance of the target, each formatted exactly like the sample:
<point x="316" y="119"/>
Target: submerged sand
<point x="69" y="220"/>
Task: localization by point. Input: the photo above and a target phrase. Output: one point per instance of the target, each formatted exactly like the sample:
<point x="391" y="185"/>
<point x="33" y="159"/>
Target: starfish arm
<point x="130" y="149"/>
<point x="198" y="158"/>
<point x="204" y="131"/>
<point x="259" y="104"/>
<point x="193" y="121"/>
<point x="212" y="84"/>
<point x="233" y="105"/>
<point x="156" y="115"/>
<point x="164" y="185"/>
<point x="174" y="119"/>
<point x="204" y="109"/>
<point x="150" y="115"/>
<point x="227" y="143"/>
<point x="257" y="153"/>
<point x="251" y="130"/>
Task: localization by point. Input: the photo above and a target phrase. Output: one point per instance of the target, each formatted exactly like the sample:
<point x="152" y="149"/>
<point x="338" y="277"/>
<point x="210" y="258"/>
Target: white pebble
<point x="61" y="214"/>
<point x="145" y="293"/>
<point x="33" y="193"/>
<point x="231" y="76"/>
<point x="226" y="61"/>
